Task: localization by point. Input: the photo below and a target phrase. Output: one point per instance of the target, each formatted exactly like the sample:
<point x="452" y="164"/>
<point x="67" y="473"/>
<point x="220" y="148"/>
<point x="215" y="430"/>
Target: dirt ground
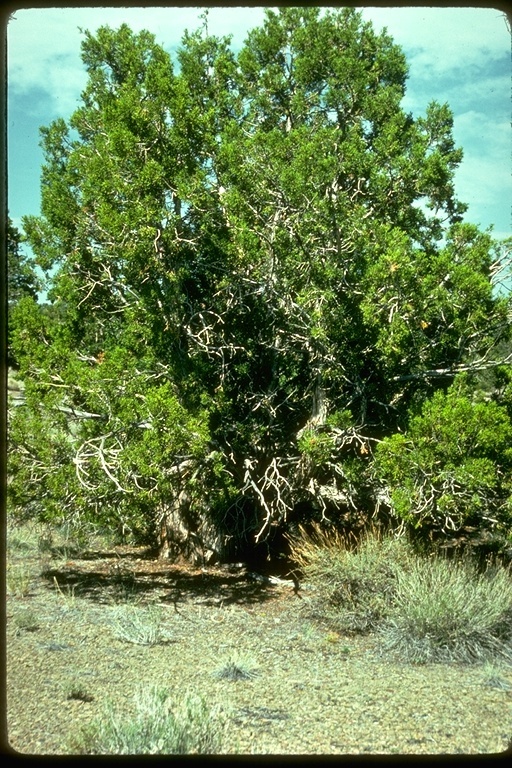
<point x="308" y="691"/>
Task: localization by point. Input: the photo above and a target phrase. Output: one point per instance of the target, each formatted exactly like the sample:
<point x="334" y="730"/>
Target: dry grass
<point x="448" y="611"/>
<point x="426" y="609"/>
<point x="237" y="667"/>
<point x="354" y="580"/>
<point x="155" y="727"/>
<point x="141" y="625"/>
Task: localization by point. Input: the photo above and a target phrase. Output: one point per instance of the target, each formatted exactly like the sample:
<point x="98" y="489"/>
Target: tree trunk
<point x="186" y="535"/>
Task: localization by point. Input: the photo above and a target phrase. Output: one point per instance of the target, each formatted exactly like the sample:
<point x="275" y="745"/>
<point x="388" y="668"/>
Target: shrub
<point x="353" y="583"/>
<point x="155" y="728"/>
<point x="447" y="611"/>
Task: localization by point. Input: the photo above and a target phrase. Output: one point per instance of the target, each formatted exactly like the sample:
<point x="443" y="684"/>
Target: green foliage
<point x="22" y="280"/>
<point x="21" y="276"/>
<point x="501" y="387"/>
<point x="318" y="447"/>
<point x="155" y="727"/>
<point x="423" y="307"/>
<point x="354" y="582"/>
<point x="43" y="482"/>
<point x="447" y="611"/>
<point x="451" y="469"/>
<point x="257" y="269"/>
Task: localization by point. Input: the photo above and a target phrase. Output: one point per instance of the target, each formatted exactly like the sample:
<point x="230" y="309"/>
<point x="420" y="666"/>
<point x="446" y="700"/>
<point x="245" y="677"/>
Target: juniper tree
<point x="260" y="270"/>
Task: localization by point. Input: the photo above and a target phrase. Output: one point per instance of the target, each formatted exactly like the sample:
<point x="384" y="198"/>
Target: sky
<point x="461" y="56"/>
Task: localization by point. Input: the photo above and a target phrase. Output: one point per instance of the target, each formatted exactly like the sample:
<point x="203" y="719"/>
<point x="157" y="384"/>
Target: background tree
<point x="261" y="271"/>
<point x="22" y="280"/>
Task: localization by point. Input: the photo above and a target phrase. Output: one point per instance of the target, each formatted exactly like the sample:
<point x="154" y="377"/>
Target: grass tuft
<point x="25" y="620"/>
<point x="19" y="580"/>
<point x="425" y="609"/>
<point x="139" y="625"/>
<point x="496" y="676"/>
<point x="353" y="583"/>
<point x="155" y="727"/>
<point x="447" y="611"/>
<point x="74" y="690"/>
<point x="237" y="667"/>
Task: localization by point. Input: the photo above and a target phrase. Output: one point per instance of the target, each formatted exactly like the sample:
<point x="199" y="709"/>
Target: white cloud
<point x="457" y="55"/>
<point x="484" y="180"/>
<point x="44" y="43"/>
<point x="483" y="185"/>
<point x="462" y="56"/>
<point x="493" y="137"/>
<point x="437" y="40"/>
<point x="44" y="48"/>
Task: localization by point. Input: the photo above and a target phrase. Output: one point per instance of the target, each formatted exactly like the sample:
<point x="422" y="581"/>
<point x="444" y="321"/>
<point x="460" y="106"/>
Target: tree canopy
<point x="21" y="275"/>
<point x="260" y="273"/>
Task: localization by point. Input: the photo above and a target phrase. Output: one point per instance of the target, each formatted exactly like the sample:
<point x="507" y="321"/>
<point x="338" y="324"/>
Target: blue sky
<point x="457" y="55"/>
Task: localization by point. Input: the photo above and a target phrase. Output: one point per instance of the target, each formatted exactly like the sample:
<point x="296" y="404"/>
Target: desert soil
<point x="312" y="691"/>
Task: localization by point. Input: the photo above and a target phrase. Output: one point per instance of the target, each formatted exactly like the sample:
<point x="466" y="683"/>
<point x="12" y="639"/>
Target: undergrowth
<point x="353" y="583"/>
<point x="446" y="610"/>
<point x="140" y="625"/>
<point x="155" y="727"/>
<point x="424" y="608"/>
